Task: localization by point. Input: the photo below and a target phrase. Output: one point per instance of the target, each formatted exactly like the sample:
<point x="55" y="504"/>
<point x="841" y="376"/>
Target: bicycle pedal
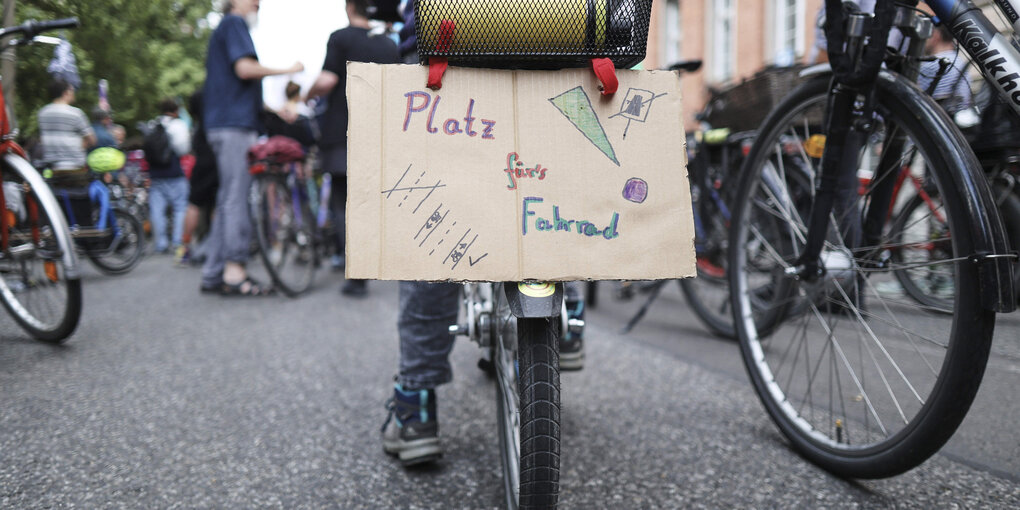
<point x="487" y="366"/>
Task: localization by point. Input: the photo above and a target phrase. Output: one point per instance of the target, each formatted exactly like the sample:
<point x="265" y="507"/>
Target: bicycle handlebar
<point x="32" y="28"/>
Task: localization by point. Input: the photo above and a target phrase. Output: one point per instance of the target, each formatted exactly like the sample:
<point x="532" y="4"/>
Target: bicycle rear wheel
<point x="284" y="231"/>
<point x="862" y="383"/>
<point x="526" y="358"/>
<point x="39" y="284"/>
<point x="539" y="386"/>
<point x="125" y="248"/>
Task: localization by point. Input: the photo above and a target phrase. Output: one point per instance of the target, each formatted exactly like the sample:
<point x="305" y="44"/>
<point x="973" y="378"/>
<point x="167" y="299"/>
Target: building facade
<point x="733" y="38"/>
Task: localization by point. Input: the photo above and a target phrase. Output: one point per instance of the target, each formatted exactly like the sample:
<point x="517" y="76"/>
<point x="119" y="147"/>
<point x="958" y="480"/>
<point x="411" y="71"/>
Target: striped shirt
<point x="61" y="130"/>
<point x="953" y="89"/>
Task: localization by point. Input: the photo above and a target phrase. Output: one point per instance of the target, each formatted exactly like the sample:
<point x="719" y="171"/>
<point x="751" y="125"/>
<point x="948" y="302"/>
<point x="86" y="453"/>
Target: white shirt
<point x="177" y="132"/>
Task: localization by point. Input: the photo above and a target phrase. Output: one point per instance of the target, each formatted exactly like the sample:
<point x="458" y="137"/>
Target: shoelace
<point x="399" y="410"/>
<point x="391" y="406"/>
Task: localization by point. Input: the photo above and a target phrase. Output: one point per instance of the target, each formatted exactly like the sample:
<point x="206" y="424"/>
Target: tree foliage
<point x="146" y="49"/>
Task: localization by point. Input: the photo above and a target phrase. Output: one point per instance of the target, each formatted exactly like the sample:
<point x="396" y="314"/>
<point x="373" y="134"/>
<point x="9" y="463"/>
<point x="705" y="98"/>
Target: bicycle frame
<point x="35" y="181"/>
<point x="995" y="55"/>
<point x="851" y="113"/>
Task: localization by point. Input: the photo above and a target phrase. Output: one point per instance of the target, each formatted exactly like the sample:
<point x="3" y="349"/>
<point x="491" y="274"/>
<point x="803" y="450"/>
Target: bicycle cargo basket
<point x="532" y="34"/>
<point x="743" y="106"/>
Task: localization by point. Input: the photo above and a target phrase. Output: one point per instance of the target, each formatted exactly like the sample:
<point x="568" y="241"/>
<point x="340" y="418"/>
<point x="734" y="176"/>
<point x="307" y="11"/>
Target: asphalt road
<point x="168" y="399"/>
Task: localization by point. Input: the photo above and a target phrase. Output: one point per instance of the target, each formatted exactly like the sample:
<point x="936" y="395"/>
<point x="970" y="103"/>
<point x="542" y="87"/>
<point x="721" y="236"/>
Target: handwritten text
<point x="515" y="170"/>
<point x="558" y="223"/>
<point x="418" y="102"/>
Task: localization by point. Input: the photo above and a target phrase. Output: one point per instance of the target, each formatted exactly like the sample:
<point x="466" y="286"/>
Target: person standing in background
<point x="64" y="133"/>
<point x="233" y="100"/>
<point x="348" y="44"/>
<point x="168" y="185"/>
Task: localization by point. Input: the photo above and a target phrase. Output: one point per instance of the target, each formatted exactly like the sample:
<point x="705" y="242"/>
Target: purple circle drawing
<point x="636" y="190"/>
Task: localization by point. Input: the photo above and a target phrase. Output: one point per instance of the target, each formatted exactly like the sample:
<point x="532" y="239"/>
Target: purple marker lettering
<point x="468" y="119"/>
<point x="456" y="127"/>
<point x="487" y="132"/>
<point x="415" y="109"/>
<point x="432" y="113"/>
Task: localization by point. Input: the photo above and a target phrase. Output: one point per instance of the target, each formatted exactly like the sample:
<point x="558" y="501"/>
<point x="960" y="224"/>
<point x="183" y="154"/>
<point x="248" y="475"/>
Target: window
<point x="788" y="40"/>
<point x="670" y="30"/>
<point x="721" y="39"/>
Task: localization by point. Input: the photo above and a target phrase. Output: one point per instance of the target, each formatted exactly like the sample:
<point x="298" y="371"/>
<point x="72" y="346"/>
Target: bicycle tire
<point x="1009" y="207"/>
<point x="946" y="353"/>
<point x="39" y="284"/>
<point x="504" y="361"/>
<point x="916" y="237"/>
<point x="708" y="293"/>
<point x="126" y="248"/>
<point x="286" y="242"/>
<point x="539" y="388"/>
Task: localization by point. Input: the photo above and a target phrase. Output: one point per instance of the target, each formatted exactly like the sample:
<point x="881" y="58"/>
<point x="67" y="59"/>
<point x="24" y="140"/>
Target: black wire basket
<point x="743" y="106"/>
<point x="532" y="34"/>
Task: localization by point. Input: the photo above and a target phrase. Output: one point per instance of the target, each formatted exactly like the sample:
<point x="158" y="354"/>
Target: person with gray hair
<point x="233" y="101"/>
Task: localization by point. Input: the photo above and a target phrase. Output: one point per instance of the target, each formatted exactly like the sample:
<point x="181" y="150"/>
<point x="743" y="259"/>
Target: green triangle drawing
<point x="576" y="107"/>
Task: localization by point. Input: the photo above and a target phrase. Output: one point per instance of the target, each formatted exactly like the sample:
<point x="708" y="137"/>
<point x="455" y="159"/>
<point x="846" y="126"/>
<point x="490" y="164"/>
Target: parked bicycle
<point x="289" y="215"/>
<point x="40" y="283"/>
<point x="714" y="155"/>
<point x="865" y="384"/>
<point x="111" y="238"/>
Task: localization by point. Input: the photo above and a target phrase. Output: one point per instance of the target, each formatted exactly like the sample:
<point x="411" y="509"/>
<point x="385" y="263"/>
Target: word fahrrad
<point x="558" y="223"/>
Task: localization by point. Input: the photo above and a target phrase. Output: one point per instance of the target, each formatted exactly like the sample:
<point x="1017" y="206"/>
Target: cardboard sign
<point x="516" y="175"/>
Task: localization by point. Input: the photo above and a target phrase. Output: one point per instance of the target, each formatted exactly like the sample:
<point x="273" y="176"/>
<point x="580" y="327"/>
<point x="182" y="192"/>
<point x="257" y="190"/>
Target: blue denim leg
<point x="159" y="197"/>
<point x="427" y="310"/>
<point x="179" y="200"/>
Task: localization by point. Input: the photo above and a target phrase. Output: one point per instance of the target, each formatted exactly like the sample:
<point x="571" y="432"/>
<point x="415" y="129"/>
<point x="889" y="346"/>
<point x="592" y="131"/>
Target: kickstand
<point x="653" y="293"/>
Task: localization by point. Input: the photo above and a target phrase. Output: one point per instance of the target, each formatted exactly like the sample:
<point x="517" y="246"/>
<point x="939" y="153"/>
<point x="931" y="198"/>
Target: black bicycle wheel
<point x="1009" y="207"/>
<point x="539" y="388"/>
<point x="504" y="361"/>
<point x="862" y="383"/>
<point x="39" y="284"/>
<point x="708" y="295"/>
<point x="125" y="247"/>
<point x="920" y="237"/>
<point x="284" y="233"/>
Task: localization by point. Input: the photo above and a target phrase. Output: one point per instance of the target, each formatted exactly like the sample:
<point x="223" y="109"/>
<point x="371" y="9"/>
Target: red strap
<point x="437" y="65"/>
<point x="605" y="71"/>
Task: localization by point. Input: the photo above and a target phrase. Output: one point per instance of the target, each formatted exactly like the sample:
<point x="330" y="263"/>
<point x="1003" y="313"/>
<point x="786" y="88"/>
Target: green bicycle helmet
<point x="105" y="159"/>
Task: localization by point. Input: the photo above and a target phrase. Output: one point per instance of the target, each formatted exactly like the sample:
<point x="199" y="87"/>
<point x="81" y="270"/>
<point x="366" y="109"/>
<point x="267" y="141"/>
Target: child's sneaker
<point x="411" y="431"/>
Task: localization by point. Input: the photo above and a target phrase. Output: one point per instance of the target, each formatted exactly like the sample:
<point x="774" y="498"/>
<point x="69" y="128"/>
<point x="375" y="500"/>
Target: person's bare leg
<point x="191" y="218"/>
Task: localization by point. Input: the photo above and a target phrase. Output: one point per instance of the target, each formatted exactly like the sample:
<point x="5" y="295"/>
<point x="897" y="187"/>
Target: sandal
<point x="246" y="287"/>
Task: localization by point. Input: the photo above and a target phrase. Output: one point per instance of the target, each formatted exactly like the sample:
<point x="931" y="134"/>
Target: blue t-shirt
<point x="230" y="102"/>
<point x="103" y="137"/>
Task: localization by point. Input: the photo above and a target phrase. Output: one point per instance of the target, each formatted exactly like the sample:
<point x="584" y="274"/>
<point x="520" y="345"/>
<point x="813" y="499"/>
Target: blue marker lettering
<point x="525" y="213"/>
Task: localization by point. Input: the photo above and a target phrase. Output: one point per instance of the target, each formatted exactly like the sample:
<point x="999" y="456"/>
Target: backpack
<point x="157" y="148"/>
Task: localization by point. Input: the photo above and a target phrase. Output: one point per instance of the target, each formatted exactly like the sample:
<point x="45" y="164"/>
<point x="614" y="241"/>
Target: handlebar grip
<point x="44" y="26"/>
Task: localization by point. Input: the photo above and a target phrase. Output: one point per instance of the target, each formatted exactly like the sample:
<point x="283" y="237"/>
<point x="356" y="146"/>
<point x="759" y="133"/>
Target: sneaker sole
<point x="414" y="452"/>
<point x="571" y="361"/>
